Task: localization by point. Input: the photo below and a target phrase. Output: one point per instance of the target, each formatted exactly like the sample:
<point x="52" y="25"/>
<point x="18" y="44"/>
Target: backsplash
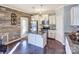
<point x="74" y="28"/>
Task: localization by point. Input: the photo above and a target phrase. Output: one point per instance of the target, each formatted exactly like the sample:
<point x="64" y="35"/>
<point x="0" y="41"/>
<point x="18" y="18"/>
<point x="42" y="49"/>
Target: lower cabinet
<point x="39" y="40"/>
<point x="31" y="39"/>
<point x="51" y="34"/>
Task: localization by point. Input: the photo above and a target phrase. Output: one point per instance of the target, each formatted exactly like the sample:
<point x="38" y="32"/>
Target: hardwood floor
<point x="10" y="46"/>
<point x="52" y="47"/>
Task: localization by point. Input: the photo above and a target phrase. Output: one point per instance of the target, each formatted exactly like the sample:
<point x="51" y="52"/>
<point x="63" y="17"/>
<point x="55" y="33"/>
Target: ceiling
<point x="34" y="8"/>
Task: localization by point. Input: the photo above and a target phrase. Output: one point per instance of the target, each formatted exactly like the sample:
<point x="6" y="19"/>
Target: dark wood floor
<point x="52" y="47"/>
<point x="10" y="46"/>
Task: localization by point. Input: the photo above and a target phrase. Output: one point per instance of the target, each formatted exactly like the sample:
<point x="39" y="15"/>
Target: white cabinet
<point x="75" y="16"/>
<point x="39" y="40"/>
<point x="51" y="33"/>
<point x="52" y="19"/>
<point x="31" y="39"/>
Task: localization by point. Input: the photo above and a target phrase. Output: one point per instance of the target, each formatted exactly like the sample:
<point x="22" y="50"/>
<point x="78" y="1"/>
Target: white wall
<point x="60" y="25"/>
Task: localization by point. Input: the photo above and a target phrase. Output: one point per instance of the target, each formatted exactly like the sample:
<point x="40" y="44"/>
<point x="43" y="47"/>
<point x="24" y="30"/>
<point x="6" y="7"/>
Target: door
<point x="24" y="26"/>
<point x="75" y="16"/>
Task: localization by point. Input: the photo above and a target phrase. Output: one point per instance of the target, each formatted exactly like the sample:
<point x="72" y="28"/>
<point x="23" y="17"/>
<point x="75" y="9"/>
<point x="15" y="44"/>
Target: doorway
<point x="24" y="26"/>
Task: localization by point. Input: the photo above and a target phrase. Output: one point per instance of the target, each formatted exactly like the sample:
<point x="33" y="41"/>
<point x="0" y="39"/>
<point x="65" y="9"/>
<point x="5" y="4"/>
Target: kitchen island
<point x="37" y="39"/>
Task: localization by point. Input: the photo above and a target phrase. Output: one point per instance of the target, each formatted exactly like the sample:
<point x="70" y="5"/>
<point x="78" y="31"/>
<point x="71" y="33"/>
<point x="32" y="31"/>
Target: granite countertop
<point x="73" y="46"/>
<point x="40" y="32"/>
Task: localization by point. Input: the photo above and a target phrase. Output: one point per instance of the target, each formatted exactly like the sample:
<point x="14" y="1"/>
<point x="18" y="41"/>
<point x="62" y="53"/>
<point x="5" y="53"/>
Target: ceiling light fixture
<point x="39" y="10"/>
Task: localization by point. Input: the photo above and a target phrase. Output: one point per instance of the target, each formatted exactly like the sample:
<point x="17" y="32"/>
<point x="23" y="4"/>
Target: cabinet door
<point x="39" y="40"/>
<point x="72" y="16"/>
<point x="75" y="16"/>
<point x="51" y="34"/>
<point x="31" y="39"/>
<point x="52" y="19"/>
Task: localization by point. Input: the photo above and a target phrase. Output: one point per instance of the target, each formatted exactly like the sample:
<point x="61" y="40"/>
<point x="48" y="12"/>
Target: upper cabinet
<point x="75" y="16"/>
<point x="52" y="20"/>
